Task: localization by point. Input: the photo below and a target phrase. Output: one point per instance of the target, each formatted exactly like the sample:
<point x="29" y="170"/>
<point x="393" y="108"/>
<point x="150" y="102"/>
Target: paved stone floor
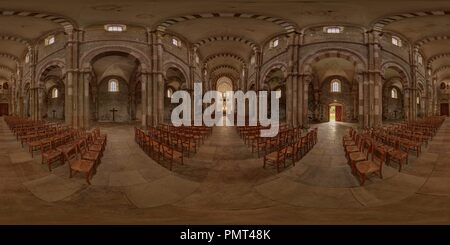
<point x="224" y="183"/>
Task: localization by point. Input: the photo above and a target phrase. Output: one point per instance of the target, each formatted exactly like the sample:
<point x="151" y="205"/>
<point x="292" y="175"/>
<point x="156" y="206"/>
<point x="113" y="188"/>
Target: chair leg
<point x="362" y="179"/>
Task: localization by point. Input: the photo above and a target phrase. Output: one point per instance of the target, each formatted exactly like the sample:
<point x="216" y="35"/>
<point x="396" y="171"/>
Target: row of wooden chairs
<point x="366" y="152"/>
<point x="170" y="144"/>
<point x="82" y="150"/>
<point x="292" y="150"/>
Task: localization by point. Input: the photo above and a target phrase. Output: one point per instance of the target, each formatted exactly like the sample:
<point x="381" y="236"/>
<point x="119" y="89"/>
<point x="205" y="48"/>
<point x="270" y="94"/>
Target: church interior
<point x="86" y="91"/>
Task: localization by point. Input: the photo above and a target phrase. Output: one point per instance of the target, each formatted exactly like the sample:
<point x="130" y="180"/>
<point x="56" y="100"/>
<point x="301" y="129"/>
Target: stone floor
<point x="224" y="183"/>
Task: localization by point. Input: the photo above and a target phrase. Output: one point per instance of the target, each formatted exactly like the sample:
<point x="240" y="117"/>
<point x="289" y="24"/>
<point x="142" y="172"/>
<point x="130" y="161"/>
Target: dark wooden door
<point x="3" y="109"/>
<point x="339" y="113"/>
<point x="444" y="109"/>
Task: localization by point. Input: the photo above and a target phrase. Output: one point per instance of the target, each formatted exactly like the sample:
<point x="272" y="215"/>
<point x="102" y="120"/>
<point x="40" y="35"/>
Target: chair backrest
<point x="46" y="145"/>
<point x="71" y="154"/>
<point x="82" y="146"/>
<point x="379" y="157"/>
<point x="167" y="150"/>
<point x="367" y="147"/>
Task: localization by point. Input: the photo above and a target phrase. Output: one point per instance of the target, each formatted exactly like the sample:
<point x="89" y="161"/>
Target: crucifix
<point x="54" y="112"/>
<point x="113" y="110"/>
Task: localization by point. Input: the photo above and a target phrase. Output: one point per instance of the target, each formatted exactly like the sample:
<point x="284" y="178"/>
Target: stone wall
<point x="109" y="100"/>
<point x="392" y="108"/>
<point x="345" y="98"/>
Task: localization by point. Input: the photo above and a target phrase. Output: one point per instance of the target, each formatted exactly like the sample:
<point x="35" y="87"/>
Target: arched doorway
<point x="114" y="87"/>
<point x="275" y="80"/>
<point x="335" y="112"/>
<point x="26" y="101"/>
<point x="174" y="81"/>
<point x="53" y="93"/>
<point x="393" y="98"/>
<point x="223" y="86"/>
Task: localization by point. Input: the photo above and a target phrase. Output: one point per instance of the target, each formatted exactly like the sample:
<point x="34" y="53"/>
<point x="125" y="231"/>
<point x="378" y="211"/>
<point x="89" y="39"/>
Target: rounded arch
<point x="276" y="66"/>
<point x="216" y="77"/>
<point x="90" y="55"/>
<point x="248" y="42"/>
<point x="63" y="21"/>
<point x="168" y="65"/>
<point x="225" y="67"/>
<point x="284" y="24"/>
<point x="356" y="59"/>
<point x="397" y="67"/>
<point x="225" y="55"/>
<point x="251" y="85"/>
<point x="48" y="66"/>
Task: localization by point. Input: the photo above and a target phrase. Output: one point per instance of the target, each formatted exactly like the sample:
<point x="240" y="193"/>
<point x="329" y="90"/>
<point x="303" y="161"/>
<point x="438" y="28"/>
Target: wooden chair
<point x="361" y="155"/>
<point x="87" y="154"/>
<point x="292" y="151"/>
<point x="79" y="165"/>
<point x="374" y="165"/>
<point x="398" y="156"/>
<point x="171" y="155"/>
<point x="50" y="155"/>
<point x="276" y="158"/>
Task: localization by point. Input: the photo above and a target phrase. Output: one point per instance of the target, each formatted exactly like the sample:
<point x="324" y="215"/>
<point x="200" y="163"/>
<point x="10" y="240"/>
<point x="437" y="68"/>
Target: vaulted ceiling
<point x="222" y="26"/>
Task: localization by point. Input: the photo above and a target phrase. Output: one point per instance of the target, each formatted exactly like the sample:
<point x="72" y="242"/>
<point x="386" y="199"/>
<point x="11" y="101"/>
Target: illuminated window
<point x="27" y="58"/>
<point x="169" y="93"/>
<point x="176" y="42"/>
<point x="197" y="59"/>
<point x="274" y="43"/>
<point x="113" y="85"/>
<point x="394" y="93"/>
<point x="55" y="93"/>
<point x="396" y="41"/>
<point x="333" y="29"/>
<point x="335" y="86"/>
<point x="115" y="28"/>
<point x="418" y="100"/>
<point x="252" y="60"/>
<point x="50" y="40"/>
<point x="419" y="59"/>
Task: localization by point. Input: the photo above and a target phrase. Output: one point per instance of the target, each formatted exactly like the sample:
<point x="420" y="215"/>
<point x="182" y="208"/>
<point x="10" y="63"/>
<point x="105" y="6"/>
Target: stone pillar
<point x="302" y="91"/>
<point x="34" y="102"/>
<point x="146" y="100"/>
<point x="293" y="87"/>
<point x="373" y="106"/>
<point x="72" y="77"/>
<point x="156" y="87"/>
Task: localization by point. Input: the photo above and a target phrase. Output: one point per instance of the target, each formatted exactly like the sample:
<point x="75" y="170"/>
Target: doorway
<point x="335" y="113"/>
<point x="444" y="109"/>
<point x="3" y="109"/>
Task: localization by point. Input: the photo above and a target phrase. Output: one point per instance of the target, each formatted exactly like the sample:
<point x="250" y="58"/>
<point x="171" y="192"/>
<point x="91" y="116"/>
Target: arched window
<point x="335" y="85"/>
<point x="55" y="93"/>
<point x="418" y="100"/>
<point x="169" y="93"/>
<point x="394" y="93"/>
<point x="396" y="41"/>
<point x="113" y="85"/>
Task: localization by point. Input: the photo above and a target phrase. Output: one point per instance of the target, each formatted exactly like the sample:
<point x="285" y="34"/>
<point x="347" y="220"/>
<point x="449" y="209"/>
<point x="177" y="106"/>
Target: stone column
<point x="292" y="80"/>
<point x="72" y="76"/>
<point x="156" y="86"/>
<point x="373" y="87"/>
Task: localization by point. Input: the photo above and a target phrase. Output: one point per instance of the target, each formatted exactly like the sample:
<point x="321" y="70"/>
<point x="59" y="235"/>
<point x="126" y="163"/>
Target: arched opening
<point x="335" y="112"/>
<point x="115" y="90"/>
<point x="26" y="101"/>
<point x="174" y="81"/>
<point x="393" y="95"/>
<point x="276" y="81"/>
<point x="223" y="85"/>
<point x="333" y="91"/>
<point x="52" y="94"/>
